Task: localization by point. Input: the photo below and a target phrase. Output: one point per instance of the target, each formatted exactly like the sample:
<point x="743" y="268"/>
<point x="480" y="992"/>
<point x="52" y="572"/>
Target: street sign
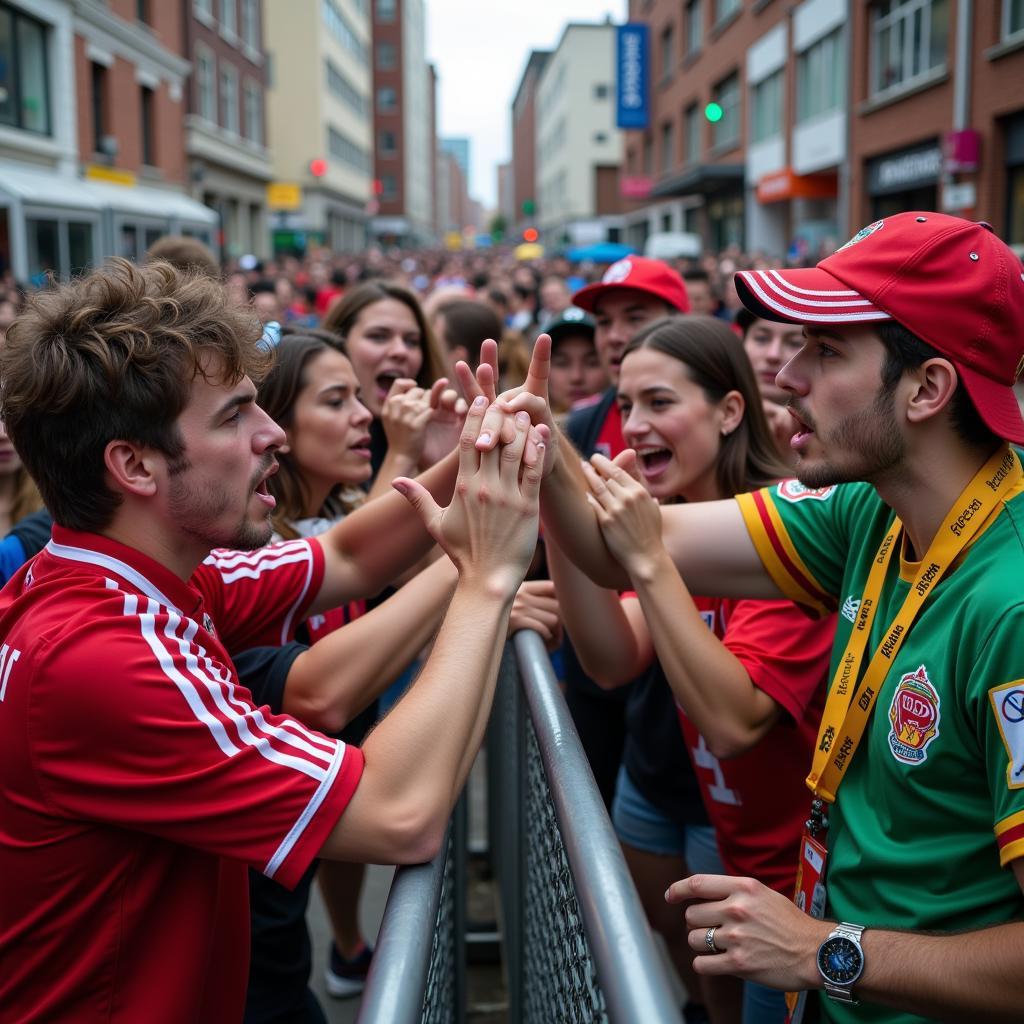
<point x="113" y="175"/>
<point x="963" y="196"/>
<point x="284" y="195"/>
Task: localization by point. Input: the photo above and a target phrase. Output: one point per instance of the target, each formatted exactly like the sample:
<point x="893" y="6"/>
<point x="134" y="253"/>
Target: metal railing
<point x="575" y="938"/>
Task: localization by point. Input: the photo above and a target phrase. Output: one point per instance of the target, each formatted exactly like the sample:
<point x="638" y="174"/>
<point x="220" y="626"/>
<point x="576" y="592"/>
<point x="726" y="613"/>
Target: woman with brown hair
<point x="747" y="676"/>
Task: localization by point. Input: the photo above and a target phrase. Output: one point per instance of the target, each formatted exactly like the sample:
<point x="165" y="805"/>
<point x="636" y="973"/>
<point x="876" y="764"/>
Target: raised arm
<point x="710" y="683"/>
<point x="417" y="759"/>
<point x="331" y="682"/>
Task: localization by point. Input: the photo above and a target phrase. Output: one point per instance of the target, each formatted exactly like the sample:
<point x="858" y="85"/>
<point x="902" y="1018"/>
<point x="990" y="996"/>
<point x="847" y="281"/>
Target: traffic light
<point x="318" y="167"/>
<point x="529" y="207"/>
<point x="713" y="112"/>
<point x="531" y="235"/>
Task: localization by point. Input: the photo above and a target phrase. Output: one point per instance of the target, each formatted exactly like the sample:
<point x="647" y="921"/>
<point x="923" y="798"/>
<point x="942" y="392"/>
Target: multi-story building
<point x="524" y="143"/>
<point x="459" y="148"/>
<point x="91" y="156"/>
<point x="578" y="147"/>
<point x="783" y="126"/>
<point x="225" y="131"/>
<point x="401" y="83"/>
<point x="319" y="122"/>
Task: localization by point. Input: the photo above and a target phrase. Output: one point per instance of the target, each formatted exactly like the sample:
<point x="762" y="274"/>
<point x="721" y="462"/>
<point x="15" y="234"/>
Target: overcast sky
<point x="480" y="49"/>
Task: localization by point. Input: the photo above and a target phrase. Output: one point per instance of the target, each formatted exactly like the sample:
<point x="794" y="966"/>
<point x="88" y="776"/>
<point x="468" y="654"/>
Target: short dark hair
<point x="696" y="274"/>
<point x="185" y="253"/>
<point x="112" y="356"/>
<point x="469" y="323"/>
<point x="905" y="351"/>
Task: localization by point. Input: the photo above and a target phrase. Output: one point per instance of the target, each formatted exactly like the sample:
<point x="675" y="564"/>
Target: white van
<point x="670" y="245"/>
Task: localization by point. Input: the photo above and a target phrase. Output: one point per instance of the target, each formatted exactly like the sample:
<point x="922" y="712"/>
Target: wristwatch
<point x="841" y="961"/>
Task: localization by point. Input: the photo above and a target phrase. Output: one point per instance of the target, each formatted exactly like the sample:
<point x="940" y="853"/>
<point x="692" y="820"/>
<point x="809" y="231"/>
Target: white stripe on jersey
<point x="225" y="558"/>
<point x="252" y="572"/>
<point x="281" y="853"/>
<point x="111" y="564"/>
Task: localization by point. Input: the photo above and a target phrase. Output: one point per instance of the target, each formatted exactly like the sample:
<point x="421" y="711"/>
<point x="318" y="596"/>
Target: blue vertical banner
<point x="632" y="66"/>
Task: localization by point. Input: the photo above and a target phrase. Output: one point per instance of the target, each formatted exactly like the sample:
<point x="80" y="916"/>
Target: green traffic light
<point x="713" y="112"/>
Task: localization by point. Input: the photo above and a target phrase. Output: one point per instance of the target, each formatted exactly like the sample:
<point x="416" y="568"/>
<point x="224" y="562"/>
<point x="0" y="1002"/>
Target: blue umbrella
<point x="601" y="252"/>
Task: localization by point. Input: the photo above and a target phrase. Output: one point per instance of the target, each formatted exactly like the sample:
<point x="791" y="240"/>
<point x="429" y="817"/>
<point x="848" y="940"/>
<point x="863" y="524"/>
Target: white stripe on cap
<point x="800" y="310"/>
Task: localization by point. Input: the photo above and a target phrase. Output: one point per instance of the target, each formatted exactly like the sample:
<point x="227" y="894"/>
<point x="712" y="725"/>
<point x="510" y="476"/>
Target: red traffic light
<point x="318" y="167"/>
<point x="531" y="235"/>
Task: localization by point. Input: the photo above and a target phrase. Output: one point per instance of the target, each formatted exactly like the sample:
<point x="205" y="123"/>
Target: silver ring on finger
<point x="709" y="940"/>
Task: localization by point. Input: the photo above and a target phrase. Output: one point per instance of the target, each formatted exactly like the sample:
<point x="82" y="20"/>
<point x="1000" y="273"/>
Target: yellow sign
<point x="100" y="172"/>
<point x="284" y="195"/>
<point x="453" y="241"/>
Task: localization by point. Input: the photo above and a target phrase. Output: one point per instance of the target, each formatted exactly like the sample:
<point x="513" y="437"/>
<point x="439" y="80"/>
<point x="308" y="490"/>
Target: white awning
<point x="43" y="187"/>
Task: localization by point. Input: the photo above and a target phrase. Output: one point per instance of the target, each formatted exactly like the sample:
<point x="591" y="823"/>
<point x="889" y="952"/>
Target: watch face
<point x="840" y="960"/>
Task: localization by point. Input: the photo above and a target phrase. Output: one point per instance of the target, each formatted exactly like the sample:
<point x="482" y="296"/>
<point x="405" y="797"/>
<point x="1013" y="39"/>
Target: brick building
<point x="524" y="144"/>
<point x="782" y="126"/>
<point x="225" y="131"/>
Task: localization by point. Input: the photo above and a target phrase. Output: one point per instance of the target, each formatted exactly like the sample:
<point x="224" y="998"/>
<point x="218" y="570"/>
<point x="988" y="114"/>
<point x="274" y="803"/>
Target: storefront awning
<point x="702" y="179"/>
<point x="48" y="188"/>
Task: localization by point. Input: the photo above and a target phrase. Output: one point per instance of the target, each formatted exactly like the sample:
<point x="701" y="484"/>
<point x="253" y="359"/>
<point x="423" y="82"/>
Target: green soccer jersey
<point x="931" y="811"/>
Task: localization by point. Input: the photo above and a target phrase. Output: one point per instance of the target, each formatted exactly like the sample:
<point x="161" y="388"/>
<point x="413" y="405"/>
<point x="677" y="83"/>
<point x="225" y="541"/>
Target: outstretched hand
<point x="530" y="397"/>
<point x="490" y="528"/>
<point x="630" y="519"/>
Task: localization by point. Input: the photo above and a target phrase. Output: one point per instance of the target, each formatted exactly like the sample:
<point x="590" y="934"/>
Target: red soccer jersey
<point x="610" y="440"/>
<point x="758" y="802"/>
<point x="138" y="781"/>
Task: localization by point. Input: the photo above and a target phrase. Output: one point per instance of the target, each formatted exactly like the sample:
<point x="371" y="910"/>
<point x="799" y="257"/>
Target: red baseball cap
<point x="641" y="274"/>
<point x="950" y="281"/>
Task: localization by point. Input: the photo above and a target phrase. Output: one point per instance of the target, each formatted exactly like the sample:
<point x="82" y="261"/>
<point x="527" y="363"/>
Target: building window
<point x="648" y="156"/>
<point x="341" y="88"/>
<point x="821" y="78"/>
<point x="203" y="9"/>
<point x="387" y="99"/>
<point x="387" y="144"/>
<point x="253" y="111"/>
<point x="691" y="129"/>
<point x="24" y="74"/>
<point x="726" y="9"/>
<point x="147" y="106"/>
<point x="339" y="26"/>
<point x="600" y="138"/>
<point x="766" y="108"/>
<point x="142" y="11"/>
<point x="229" y="98"/>
<point x="694" y="26"/>
<point x="667" y="53"/>
<point x="388" y="187"/>
<point x="385" y="10"/>
<point x="1013" y="18"/>
<point x="347" y="151"/>
<point x="59" y="246"/>
<point x="601" y="91"/>
<point x="98" y="75"/>
<point x="251" y="24"/>
<point x="667" y="147"/>
<point x="727" y="96"/>
<point x="229" y="17"/>
<point x="206" y="81"/>
<point x="908" y="40"/>
<point x="386" y="56"/>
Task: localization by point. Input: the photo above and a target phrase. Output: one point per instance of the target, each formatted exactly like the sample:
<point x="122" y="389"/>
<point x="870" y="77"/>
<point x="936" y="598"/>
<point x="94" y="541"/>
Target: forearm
<point x="971" y="976"/>
<point x="396" y="463"/>
<point x="416" y="760"/>
<point x="709" y="682"/>
<point x="380" y="540"/>
<point x="593" y="616"/>
<point x="340" y="675"/>
<point x="570" y="522"/>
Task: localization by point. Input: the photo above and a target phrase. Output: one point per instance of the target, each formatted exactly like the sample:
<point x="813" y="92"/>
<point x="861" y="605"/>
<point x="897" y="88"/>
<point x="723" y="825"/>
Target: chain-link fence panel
<point x="439" y="997"/>
<point x="560" y="979"/>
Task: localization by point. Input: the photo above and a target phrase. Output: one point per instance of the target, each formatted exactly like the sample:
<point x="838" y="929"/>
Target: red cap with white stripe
<point x="950" y="281"/>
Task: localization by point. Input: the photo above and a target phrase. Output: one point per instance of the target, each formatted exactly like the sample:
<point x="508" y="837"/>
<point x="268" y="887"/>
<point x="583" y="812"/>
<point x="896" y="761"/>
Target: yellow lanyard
<point x="844" y="720"/>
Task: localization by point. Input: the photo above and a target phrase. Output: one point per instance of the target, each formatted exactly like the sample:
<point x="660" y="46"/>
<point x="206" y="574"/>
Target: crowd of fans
<point x="699" y="714"/>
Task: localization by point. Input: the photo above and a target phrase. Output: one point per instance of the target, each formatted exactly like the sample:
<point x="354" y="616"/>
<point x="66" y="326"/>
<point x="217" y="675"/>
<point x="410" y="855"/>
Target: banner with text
<point x="632" y="65"/>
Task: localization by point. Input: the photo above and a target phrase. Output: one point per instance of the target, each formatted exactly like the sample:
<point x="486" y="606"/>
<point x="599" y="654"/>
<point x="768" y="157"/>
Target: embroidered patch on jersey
<point x="793" y="490"/>
<point x="850" y="608"/>
<point x="862" y="234"/>
<point x="208" y="624"/>
<point x="914" y="714"/>
<point x="1008" y="707"/>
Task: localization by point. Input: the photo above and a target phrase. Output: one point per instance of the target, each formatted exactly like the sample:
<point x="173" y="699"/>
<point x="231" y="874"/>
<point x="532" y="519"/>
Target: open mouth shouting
<point x="653" y="461"/>
<point x="260" y="488"/>
<point x="804" y="425"/>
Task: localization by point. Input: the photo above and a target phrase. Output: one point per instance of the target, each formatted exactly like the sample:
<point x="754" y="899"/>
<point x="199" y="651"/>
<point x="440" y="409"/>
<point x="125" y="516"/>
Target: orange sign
<point x="785" y="184"/>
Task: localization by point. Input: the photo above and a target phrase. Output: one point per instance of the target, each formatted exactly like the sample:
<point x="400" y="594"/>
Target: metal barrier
<point x="576" y="942"/>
